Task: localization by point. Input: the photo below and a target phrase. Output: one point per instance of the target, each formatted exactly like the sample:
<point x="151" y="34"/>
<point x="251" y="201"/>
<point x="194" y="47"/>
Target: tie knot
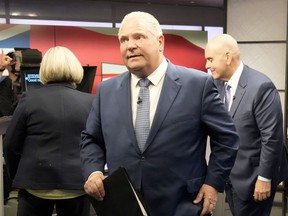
<point x="144" y="82"/>
<point x="227" y="87"/>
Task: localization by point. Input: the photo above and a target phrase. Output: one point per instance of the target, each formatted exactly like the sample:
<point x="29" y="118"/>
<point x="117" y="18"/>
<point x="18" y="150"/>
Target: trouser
<point x="7" y="184"/>
<point x="239" y="207"/>
<point x="30" y="205"/>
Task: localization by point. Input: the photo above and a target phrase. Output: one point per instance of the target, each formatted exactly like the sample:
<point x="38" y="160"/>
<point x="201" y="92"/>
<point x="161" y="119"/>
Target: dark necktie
<point x="227" y="95"/>
<point x="142" y="125"/>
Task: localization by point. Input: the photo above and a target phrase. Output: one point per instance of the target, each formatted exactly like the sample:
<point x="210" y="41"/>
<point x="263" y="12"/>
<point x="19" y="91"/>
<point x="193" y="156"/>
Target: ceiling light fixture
<point x="15" y="14"/>
<point x="32" y="15"/>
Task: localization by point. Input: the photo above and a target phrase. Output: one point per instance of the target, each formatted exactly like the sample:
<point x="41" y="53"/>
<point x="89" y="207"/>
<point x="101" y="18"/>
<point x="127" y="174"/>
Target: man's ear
<point x="228" y="58"/>
<point x="161" y="43"/>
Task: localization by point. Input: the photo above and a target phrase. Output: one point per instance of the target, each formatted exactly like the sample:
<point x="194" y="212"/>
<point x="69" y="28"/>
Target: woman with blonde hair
<point x="41" y="146"/>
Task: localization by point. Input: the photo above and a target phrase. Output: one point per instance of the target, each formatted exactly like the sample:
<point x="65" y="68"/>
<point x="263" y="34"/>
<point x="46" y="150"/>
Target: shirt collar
<point x="233" y="81"/>
<point x="2" y="78"/>
<point x="154" y="77"/>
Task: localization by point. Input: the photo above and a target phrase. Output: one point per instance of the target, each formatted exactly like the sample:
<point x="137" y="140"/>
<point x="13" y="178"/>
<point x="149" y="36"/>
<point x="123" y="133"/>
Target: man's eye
<point x="124" y="40"/>
<point x="139" y="37"/>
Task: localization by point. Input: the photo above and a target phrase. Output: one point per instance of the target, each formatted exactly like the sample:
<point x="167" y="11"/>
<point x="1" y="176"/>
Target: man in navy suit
<point x="170" y="172"/>
<point x="256" y="110"/>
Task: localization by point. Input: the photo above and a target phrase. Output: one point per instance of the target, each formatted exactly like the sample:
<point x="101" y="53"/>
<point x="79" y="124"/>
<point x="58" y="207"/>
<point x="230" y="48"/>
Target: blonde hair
<point x="146" y="19"/>
<point x="59" y="64"/>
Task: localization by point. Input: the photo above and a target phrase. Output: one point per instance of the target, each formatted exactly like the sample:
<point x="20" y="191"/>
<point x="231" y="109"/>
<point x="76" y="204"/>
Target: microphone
<point x="139" y="100"/>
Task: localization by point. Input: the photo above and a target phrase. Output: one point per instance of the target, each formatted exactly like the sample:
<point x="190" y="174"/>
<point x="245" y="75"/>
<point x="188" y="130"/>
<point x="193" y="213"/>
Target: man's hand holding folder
<point x="114" y="195"/>
<point x="94" y="185"/>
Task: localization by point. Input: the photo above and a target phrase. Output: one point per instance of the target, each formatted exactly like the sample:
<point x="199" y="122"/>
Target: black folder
<point x="120" y="199"/>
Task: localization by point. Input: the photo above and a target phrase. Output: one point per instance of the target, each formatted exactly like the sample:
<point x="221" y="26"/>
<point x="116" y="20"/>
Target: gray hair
<point x="146" y="19"/>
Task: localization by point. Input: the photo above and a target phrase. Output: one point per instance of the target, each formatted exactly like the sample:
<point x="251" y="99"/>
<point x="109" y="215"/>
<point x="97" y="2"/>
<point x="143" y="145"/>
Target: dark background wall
<point x="176" y="12"/>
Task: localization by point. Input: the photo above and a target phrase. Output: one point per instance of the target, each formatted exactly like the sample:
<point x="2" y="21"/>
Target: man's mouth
<point x="133" y="56"/>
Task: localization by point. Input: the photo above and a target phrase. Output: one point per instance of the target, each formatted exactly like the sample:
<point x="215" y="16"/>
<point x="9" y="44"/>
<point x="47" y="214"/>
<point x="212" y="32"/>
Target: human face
<point x="217" y="63"/>
<point x="142" y="51"/>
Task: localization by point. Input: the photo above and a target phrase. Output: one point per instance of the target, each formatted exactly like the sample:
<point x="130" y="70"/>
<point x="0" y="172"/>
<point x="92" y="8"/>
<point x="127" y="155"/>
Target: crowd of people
<point x="153" y="120"/>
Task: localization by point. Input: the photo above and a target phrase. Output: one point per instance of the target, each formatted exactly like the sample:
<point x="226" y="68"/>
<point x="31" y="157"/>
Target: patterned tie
<point x="142" y="125"/>
<point x="227" y="95"/>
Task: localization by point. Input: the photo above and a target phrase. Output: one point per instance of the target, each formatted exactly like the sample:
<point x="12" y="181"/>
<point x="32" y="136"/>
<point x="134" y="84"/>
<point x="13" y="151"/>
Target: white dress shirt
<point x="156" y="78"/>
<point x="233" y="82"/>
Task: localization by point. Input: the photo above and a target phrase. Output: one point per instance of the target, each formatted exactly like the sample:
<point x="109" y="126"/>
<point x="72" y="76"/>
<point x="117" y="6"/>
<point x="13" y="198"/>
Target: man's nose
<point x="132" y="44"/>
<point x="207" y="65"/>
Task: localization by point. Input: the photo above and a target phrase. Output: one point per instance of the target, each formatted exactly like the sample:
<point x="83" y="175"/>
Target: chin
<point x="215" y="77"/>
<point x="139" y="73"/>
<point x="134" y="67"/>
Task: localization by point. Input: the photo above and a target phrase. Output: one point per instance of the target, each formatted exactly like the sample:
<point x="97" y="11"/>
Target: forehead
<point x="133" y="26"/>
<point x="209" y="52"/>
<point x="212" y="50"/>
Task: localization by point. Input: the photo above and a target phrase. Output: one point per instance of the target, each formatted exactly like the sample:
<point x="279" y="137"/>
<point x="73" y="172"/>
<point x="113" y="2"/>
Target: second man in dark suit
<point x="254" y="104"/>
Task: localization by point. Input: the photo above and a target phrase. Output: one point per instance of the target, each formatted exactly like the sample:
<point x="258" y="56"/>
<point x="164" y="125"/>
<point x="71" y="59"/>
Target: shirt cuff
<point x="264" y="179"/>
<point x="93" y="173"/>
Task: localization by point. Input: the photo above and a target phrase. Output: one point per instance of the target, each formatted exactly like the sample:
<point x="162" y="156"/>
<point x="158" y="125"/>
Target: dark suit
<point x="257" y="114"/>
<point x="41" y="146"/>
<point x="7" y="97"/>
<point x="172" y="168"/>
<point x="42" y="139"/>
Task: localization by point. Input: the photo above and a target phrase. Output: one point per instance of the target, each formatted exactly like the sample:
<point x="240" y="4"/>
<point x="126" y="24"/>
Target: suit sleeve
<point x="15" y="137"/>
<point x="92" y="148"/>
<point x="224" y="140"/>
<point x="268" y="115"/>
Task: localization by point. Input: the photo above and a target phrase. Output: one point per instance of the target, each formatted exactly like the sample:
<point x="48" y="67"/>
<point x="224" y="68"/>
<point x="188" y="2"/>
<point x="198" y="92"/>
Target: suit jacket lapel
<point x="124" y="101"/>
<point x="170" y="89"/>
<point x="240" y="91"/>
<point x="220" y="87"/>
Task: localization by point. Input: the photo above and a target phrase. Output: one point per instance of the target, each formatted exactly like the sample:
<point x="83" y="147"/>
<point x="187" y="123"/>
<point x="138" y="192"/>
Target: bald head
<point x="225" y="43"/>
<point x="222" y="55"/>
